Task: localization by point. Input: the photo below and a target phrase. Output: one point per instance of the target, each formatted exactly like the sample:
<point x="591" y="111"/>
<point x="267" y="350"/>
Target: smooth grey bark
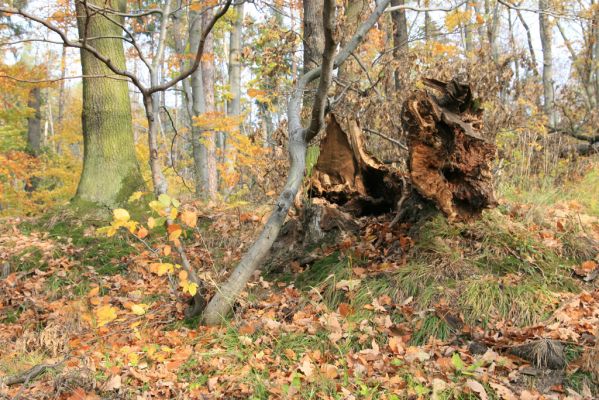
<point x="209" y="137"/>
<point x="34" y="122"/>
<point x="547" y="46"/>
<point x="468" y="43"/>
<point x="61" y="91"/>
<point x="299" y="138"/>
<point x="234" y="104"/>
<point x="198" y="106"/>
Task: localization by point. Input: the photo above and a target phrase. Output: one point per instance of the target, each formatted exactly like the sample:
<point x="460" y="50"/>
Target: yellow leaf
<point x="189" y="218"/>
<point x="135" y="196"/>
<point x="166" y="250"/>
<point x="157" y="206"/>
<point x="131" y="225"/>
<point x="164" y="199"/>
<point x="161" y="268"/>
<point x="138" y="309"/>
<point x="121" y="215"/>
<point x="174" y="235"/>
<point x="190" y="287"/>
<point x="183" y="275"/>
<point x="151" y="223"/>
<point x="142" y="232"/>
<point x="105" y="314"/>
<point x="173" y="213"/>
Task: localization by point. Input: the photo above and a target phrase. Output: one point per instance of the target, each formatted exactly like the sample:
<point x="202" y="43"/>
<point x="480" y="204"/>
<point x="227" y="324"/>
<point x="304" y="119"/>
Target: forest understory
<point x="299" y="199"/>
<point x="505" y="307"/>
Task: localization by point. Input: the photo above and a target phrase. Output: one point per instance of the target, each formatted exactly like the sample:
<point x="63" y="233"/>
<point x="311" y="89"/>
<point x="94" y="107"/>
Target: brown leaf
<point x="503" y="392"/>
<point x="330" y="371"/>
<point x="114" y="383"/>
<point x="477" y="388"/>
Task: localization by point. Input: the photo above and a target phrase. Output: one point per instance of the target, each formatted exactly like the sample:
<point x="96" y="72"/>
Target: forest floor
<point x="382" y="316"/>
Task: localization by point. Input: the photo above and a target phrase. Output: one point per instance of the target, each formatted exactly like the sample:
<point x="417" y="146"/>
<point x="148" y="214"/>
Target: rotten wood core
<point x="449" y="161"/>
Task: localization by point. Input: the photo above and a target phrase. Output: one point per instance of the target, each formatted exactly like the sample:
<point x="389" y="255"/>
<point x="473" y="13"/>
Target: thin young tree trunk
<point x="582" y="75"/>
<point x="299" y="137"/>
<point x="353" y="11"/>
<point x="195" y="92"/>
<point x="546" y="44"/>
<point x="234" y="104"/>
<point x="533" y="57"/>
<point x="61" y="91"/>
<point x="160" y="184"/>
<point x="34" y="122"/>
<point x="468" y="44"/>
<point x="110" y="168"/>
<point x="208" y="137"/>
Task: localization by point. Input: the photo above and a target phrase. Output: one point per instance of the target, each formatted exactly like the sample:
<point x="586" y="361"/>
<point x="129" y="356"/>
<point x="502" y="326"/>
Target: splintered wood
<point x="449" y="160"/>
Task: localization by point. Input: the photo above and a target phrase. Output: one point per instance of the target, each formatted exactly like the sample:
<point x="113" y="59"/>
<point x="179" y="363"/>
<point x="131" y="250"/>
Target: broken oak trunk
<point x="449" y="161"/>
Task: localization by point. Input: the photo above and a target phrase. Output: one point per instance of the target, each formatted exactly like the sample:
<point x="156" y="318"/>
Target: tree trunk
<point x="353" y="11"/>
<point x="313" y="34"/>
<point x="110" y="169"/>
<point x="208" y="137"/>
<point x="198" y="107"/>
<point x="234" y="104"/>
<point x="400" y="37"/>
<point x="34" y="122"/>
<point x="547" y="46"/>
<point x="61" y="91"/>
<point x="468" y="44"/>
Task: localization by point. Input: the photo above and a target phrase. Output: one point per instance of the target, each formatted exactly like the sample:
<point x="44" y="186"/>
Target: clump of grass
<point x="430" y="326"/>
<point x="523" y="303"/>
<point x="29" y="259"/>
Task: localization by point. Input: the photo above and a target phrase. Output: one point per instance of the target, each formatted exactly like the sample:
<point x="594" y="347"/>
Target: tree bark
<point x="208" y="137"/>
<point x="195" y="92"/>
<point x="450" y="160"/>
<point x="234" y="104"/>
<point x="400" y="37"/>
<point x="313" y="34"/>
<point x="547" y="46"/>
<point x="34" y="122"/>
<point x="110" y="168"/>
<point x="353" y="10"/>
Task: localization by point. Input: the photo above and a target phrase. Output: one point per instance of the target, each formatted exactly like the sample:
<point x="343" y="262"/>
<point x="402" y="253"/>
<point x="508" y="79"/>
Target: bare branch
<point x="539" y="11"/>
<point x="53" y="80"/>
<point x="390" y="139"/>
<point x="424" y="9"/>
<point x="196" y="62"/>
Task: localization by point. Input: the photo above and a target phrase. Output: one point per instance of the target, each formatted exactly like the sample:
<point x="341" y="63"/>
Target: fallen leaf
<point x="114" y="383"/>
<point x="477" y="388"/>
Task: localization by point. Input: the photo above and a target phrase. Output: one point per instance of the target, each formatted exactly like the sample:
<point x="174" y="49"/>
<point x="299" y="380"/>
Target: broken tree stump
<point x="449" y="170"/>
<point x="449" y="160"/>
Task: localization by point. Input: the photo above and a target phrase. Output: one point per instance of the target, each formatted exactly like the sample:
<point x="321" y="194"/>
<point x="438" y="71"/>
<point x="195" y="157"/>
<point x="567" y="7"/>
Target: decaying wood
<point x="449" y="161"/>
<point x="450" y="156"/>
